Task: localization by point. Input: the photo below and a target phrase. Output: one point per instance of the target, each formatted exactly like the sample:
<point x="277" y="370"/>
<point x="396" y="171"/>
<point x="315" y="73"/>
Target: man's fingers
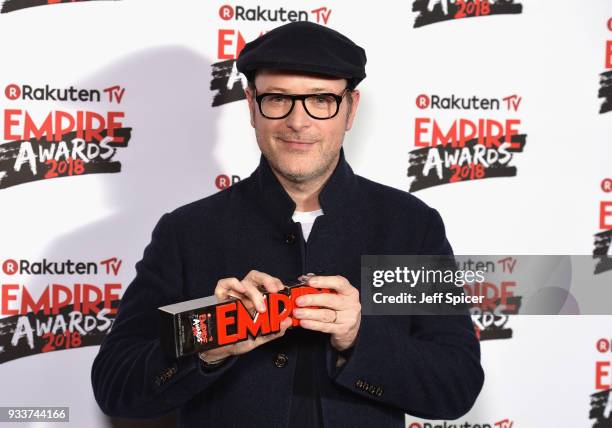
<point x="225" y="286"/>
<point x="270" y="283"/>
<point x="323" y="327"/>
<point x="250" y="344"/>
<point x="254" y="294"/>
<point x="260" y="340"/>
<point x="324" y="315"/>
<point x="232" y="287"/>
<point x="250" y="288"/>
<point x="322" y="300"/>
<point x="338" y="283"/>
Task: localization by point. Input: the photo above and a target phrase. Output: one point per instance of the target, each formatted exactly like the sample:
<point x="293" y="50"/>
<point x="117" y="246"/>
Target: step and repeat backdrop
<point x="497" y="113"/>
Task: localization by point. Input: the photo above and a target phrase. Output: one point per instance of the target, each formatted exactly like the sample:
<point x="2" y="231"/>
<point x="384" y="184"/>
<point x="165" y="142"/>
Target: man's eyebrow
<point x="284" y="90"/>
<point x="275" y="89"/>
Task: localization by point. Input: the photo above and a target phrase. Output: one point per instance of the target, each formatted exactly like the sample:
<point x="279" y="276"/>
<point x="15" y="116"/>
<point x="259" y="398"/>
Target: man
<point x="303" y="210"/>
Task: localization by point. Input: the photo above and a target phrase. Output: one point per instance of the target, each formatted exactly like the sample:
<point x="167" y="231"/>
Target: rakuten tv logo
<point x="432" y="11"/>
<point x="108" y="266"/>
<point x="223" y="181"/>
<point x="241" y="13"/>
<point x="502" y="423"/>
<point x="437" y="102"/>
<point x="14" y="92"/>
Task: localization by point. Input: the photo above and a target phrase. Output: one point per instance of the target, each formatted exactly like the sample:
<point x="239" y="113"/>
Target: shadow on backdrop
<point x="168" y="163"/>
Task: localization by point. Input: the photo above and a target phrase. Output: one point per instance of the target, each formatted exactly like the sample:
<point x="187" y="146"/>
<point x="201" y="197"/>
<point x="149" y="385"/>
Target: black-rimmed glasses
<point x="318" y="106"/>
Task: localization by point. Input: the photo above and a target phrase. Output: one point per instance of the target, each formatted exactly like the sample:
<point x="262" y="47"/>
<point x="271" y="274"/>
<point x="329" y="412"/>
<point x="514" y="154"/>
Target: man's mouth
<point x="297" y="143"/>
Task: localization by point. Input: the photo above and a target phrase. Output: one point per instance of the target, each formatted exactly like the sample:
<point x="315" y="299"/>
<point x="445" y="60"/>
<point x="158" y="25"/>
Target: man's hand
<point x="249" y="292"/>
<point x="338" y="314"/>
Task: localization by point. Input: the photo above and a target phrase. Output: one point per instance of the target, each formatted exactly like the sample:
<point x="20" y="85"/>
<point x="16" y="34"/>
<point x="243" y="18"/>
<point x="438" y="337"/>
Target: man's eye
<point x="322" y="99"/>
<point x="277" y="98"/>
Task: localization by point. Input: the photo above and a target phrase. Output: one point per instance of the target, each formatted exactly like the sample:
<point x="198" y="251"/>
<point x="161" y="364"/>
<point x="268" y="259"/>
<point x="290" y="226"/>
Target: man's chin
<point x="296" y="176"/>
<point x="295" y="165"/>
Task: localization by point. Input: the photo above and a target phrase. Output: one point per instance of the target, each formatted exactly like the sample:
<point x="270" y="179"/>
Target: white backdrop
<point x="163" y="54"/>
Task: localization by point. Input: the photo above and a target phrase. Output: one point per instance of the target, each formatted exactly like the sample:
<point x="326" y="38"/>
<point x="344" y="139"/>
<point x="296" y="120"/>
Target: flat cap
<point x="306" y="47"/>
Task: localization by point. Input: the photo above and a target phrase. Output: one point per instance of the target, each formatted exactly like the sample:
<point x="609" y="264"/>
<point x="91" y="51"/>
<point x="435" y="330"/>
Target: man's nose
<point x="298" y="118"/>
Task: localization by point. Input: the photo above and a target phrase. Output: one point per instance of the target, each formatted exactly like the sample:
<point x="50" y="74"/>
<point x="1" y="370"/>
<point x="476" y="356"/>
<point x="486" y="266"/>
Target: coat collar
<point x="334" y="198"/>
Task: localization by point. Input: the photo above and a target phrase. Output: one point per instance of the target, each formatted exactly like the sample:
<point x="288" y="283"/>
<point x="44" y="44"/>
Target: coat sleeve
<point x="131" y="376"/>
<point x="428" y="365"/>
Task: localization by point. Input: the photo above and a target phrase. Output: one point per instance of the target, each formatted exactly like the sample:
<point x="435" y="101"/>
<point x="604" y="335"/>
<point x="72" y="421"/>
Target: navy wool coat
<point x="426" y="366"/>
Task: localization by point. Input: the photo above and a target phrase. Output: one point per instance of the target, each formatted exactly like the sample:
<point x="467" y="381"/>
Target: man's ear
<point x="351" y="115"/>
<point x="249" y="93"/>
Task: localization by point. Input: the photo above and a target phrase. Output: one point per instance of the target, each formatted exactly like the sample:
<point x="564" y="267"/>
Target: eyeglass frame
<point x="301" y="97"/>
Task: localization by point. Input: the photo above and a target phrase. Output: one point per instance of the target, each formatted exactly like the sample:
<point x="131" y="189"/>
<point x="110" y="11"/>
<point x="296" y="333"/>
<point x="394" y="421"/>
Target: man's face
<point x="299" y="147"/>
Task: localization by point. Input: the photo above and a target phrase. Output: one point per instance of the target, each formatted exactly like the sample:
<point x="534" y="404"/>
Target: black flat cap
<point x="306" y="47"/>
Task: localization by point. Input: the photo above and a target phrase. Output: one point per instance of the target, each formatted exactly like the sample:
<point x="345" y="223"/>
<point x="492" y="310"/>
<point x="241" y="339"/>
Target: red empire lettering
<point x="239" y="44"/>
<point x="276" y="315"/>
<point x="223" y="42"/>
<point x="609" y="54"/>
<point x="487" y="132"/>
<point x="6" y="298"/>
<point x="439" y="137"/>
<point x="279" y="306"/>
<point x="491" y="294"/>
<point x="246" y="323"/>
<point x="77" y="298"/>
<point x="489" y="301"/>
<point x="84" y="298"/>
<point x="9" y="122"/>
<point x="605" y="212"/>
<point x="511" y="132"/>
<point x="91" y="306"/>
<point x="58" y="303"/>
<point x="602" y="375"/>
<point x="114" y="124"/>
<point x="420" y="129"/>
<point x="223" y="321"/>
<point x="109" y="297"/>
<point x="46" y="128"/>
<point x="29" y="304"/>
<point x="464" y="137"/>
<point x="505" y="294"/>
<point x="59" y="128"/>
<point x="87" y="125"/>
<point x="90" y="127"/>
<point x="493" y="138"/>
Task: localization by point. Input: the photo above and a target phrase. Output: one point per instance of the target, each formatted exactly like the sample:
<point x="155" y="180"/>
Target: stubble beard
<point x="301" y="178"/>
<point x="328" y="162"/>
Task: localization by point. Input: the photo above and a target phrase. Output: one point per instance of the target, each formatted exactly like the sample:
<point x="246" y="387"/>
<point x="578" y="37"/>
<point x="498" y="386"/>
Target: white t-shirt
<point x="306" y="220"/>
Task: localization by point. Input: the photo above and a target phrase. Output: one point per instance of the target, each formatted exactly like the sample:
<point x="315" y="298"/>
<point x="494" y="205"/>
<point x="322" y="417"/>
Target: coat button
<point x="290" y="239"/>
<point x="280" y="360"/>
